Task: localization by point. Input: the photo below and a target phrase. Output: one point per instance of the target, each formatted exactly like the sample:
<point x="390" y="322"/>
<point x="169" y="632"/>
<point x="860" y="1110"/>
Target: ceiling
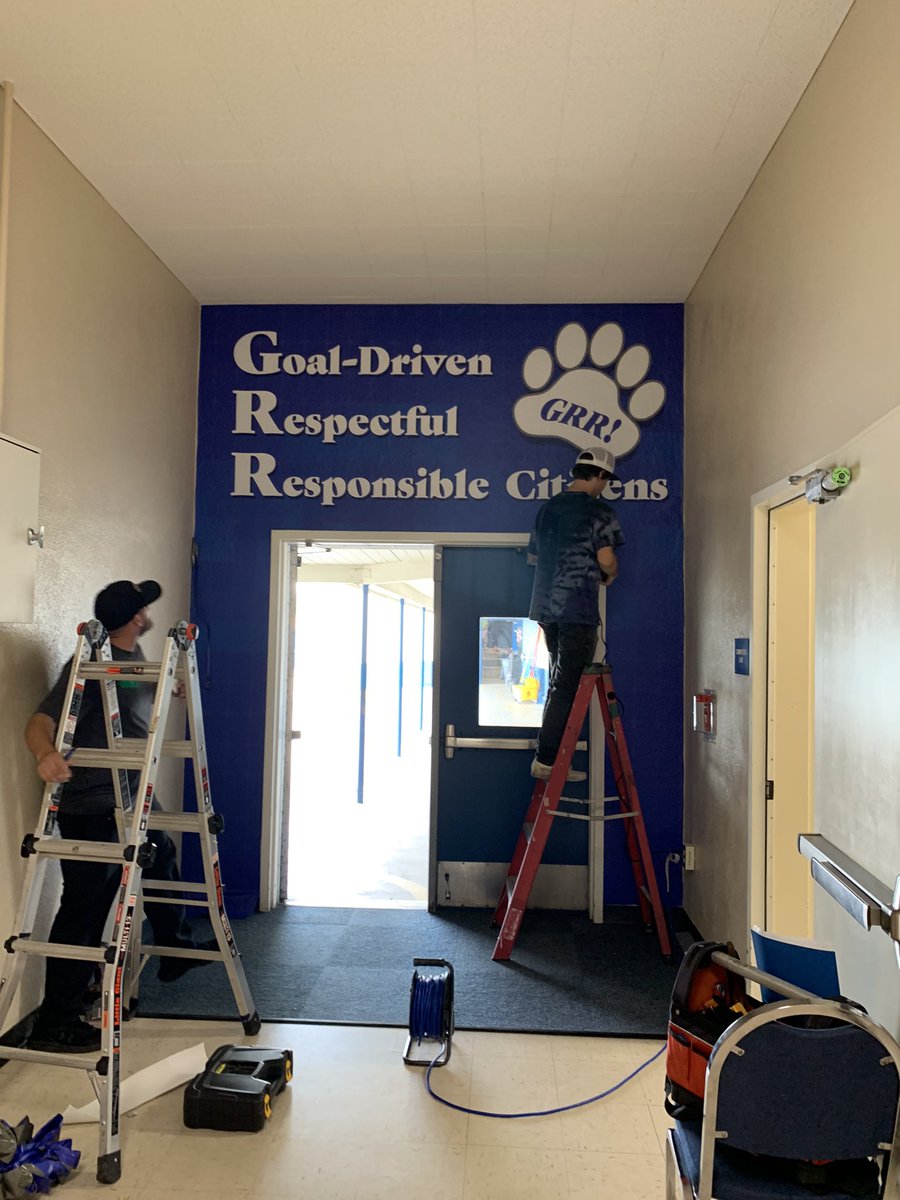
<point x="391" y="151"/>
<point x="405" y="570"/>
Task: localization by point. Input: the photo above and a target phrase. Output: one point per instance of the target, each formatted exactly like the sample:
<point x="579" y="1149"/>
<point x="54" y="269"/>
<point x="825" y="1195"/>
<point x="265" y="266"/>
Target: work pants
<point x="571" y="649"/>
<point x="89" y="889"/>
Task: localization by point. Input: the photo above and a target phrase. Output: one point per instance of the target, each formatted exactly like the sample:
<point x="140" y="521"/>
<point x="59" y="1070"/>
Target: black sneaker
<point x="171" y="969"/>
<point x="67" y="1037"/>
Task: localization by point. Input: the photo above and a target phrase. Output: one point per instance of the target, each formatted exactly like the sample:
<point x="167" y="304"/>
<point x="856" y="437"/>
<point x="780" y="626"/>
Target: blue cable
<point x="547" y="1112"/>
<point x="426" y="1018"/>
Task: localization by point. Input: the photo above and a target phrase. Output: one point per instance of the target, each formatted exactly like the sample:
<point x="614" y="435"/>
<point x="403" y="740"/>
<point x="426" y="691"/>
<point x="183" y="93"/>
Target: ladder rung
<point x="48" y="1058"/>
<point x="96" y="757"/>
<point x="150" y="899"/>
<point x="56" y="950"/>
<point x="172" y="885"/>
<point x="176" y="749"/>
<point x="145" y="672"/>
<point x="129" y="753"/>
<point x="179" y="822"/>
<point x="83" y="851"/>
<point x="174" y="952"/>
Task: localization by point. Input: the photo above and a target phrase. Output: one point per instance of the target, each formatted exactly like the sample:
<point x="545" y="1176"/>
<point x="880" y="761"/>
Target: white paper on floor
<point x="146" y="1085"/>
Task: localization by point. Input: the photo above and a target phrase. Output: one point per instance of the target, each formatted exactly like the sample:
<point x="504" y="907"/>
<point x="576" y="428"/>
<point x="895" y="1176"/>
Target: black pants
<point x="88" y="892"/>
<point x="571" y="649"/>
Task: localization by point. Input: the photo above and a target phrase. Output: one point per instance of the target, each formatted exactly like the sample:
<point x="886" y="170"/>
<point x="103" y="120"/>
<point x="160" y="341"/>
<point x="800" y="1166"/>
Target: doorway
<point x="789" y="716"/>
<point x="358" y="780"/>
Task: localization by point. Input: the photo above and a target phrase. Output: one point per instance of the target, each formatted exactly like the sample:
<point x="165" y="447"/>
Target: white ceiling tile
<point x="575" y="262"/>
<point x="295" y="134"/>
<point x="580" y="288"/>
<point x="441" y="208"/>
<point x="460" y="289"/>
<point x="511" y="207"/>
<point x="392" y="239"/>
<point x="406" y="289"/>
<point x="635" y="263"/>
<point x="645" y="235"/>
<point x="508" y="266"/>
<point x="453" y="239"/>
<point x="333" y="31"/>
<point x="516" y="239"/>
<point x="382" y="207"/>
<point x="451" y="262"/>
<point x="398" y="262"/>
<point x="520" y="289"/>
<point x="584" y="207"/>
<point x="595" y="236"/>
<point x="310" y="152"/>
<point x="652" y="208"/>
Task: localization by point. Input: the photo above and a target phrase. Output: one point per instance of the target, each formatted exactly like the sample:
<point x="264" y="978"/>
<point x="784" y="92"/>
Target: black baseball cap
<point x="119" y="601"/>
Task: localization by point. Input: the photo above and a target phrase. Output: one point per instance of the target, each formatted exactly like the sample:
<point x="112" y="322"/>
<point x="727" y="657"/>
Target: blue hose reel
<point x="430" y="1011"/>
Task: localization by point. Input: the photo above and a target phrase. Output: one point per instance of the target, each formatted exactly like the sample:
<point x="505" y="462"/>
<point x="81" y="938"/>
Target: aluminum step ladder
<point x="120" y="954"/>
<point x="544" y="808"/>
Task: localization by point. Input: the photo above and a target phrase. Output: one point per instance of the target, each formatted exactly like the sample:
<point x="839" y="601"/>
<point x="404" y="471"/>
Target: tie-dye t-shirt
<point x="568" y="532"/>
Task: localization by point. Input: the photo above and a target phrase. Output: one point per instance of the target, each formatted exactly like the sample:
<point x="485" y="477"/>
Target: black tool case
<point x="236" y="1088"/>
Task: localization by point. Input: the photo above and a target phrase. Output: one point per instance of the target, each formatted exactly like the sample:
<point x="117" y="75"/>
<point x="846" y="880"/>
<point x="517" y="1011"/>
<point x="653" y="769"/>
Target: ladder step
<point x="171" y="885"/>
<point x="179" y="822"/>
<point x="95" y="757"/>
<point x="148" y="672"/>
<point x="174" y="952"/>
<point x="129" y="754"/>
<point x="174" y="748"/>
<point x="80" y="851"/>
<point x="55" y="950"/>
<point x="81" y="1062"/>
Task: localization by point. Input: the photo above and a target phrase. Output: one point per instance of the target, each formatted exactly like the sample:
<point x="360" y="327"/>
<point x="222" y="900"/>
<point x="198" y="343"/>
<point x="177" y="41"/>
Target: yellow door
<point x="789" y="726"/>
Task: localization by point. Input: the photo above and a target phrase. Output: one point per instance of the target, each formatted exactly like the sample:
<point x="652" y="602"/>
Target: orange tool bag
<point x="706" y="999"/>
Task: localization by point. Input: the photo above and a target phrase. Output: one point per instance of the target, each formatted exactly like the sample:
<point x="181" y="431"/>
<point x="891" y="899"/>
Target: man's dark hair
<point x="583" y="471"/>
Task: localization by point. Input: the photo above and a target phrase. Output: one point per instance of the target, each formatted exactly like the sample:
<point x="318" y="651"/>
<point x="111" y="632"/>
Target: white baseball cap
<point x="598" y="457"/>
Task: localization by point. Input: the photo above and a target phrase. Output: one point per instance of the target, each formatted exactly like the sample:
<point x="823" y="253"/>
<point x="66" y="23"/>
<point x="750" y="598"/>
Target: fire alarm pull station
<point x="705" y="714"/>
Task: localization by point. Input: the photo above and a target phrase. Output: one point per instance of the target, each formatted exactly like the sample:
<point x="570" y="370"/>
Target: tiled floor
<point x="357" y="1124"/>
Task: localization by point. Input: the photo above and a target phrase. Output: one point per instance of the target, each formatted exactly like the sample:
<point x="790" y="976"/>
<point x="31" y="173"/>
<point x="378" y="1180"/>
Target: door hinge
<point x="770" y="789"/>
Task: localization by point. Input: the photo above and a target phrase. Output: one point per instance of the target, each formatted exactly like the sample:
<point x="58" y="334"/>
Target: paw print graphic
<point x="601" y="394"/>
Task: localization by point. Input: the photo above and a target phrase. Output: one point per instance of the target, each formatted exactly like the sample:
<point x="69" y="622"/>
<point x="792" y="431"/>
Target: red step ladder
<point x="543" y="808"/>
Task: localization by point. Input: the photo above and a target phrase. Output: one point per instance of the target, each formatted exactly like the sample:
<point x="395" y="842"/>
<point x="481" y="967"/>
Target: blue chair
<point x="786" y="1090"/>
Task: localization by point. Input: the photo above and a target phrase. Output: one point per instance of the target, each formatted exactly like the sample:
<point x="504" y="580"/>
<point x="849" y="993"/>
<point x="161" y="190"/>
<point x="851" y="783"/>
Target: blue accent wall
<point x="437" y="418"/>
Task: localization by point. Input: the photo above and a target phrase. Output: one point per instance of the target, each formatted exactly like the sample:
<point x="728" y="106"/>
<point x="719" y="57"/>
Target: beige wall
<point x="790" y="354"/>
<point x="101" y="371"/>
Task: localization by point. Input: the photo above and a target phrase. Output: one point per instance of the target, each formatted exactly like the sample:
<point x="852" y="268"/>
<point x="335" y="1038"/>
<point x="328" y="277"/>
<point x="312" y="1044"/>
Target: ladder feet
<point x="252" y="1025"/>
<point x="109" y="1167"/>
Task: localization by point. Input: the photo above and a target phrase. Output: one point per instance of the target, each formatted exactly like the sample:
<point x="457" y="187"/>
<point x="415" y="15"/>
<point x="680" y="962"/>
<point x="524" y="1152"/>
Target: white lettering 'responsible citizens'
<point x="541" y="485"/>
<point x="257" y="353"/>
<point x="253" y="476"/>
<point x="254" y="412"/>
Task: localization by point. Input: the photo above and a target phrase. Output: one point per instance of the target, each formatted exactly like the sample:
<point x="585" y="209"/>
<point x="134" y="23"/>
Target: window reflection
<point x="513" y="668"/>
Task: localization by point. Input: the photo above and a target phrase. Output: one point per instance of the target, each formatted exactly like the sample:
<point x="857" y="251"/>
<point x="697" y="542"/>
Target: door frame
<point x="280" y="578"/>
<point x="762" y="503"/>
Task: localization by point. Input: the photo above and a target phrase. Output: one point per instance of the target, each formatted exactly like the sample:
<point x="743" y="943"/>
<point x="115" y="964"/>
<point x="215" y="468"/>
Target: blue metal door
<point x="483" y="793"/>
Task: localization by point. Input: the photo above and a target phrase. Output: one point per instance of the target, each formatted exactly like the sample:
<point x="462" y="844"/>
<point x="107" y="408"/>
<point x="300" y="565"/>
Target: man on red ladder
<point x="573" y="546"/>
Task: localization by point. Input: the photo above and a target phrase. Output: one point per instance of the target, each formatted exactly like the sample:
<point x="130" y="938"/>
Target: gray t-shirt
<point x="90" y="789"/>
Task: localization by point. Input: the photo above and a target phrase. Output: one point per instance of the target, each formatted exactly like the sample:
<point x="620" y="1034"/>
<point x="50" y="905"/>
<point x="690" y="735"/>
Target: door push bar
<point x="452" y="743"/>
<point x="869" y="902"/>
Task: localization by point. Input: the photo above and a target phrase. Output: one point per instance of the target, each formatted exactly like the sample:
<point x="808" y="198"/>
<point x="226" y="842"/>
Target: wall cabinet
<point x="20" y="474"/>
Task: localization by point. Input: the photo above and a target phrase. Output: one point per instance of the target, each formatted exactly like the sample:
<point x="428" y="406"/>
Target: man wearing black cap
<point x="86" y="814"/>
<point x="573" y="546"/>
